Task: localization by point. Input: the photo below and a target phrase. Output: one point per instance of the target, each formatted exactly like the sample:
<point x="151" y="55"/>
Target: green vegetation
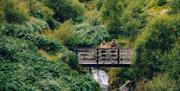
<point x="65" y="9"/>
<point x="37" y="36"/>
<point x="153" y="36"/>
<point x="161" y="2"/>
<point x="175" y="6"/>
<point x="110" y="13"/>
<point x="29" y="59"/>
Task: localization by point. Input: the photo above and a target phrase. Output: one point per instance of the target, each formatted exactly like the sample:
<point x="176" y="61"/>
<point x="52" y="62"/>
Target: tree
<point x="39" y="10"/>
<point x="155" y="41"/>
<point x="65" y="9"/>
<point x="15" y="11"/>
<point x="110" y="16"/>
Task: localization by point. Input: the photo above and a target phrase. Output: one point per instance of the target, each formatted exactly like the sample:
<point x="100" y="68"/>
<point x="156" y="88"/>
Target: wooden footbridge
<point x="104" y="57"/>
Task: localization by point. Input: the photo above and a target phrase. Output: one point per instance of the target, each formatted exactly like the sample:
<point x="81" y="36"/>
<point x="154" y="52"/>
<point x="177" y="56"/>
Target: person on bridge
<point x="103" y="45"/>
<point x="113" y="44"/>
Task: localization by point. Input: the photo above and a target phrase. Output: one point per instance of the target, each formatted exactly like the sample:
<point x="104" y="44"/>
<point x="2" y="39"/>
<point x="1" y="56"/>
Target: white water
<point x="101" y="77"/>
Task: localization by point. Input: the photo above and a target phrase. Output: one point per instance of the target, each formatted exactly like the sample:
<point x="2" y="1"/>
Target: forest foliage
<point x="56" y="27"/>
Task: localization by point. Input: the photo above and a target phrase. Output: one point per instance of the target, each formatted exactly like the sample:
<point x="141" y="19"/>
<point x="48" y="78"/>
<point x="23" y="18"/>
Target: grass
<point x="123" y="42"/>
<point x="49" y="33"/>
<point x="50" y="57"/>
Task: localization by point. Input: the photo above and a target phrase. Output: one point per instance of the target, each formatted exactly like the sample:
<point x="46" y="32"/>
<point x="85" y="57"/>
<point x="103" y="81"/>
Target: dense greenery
<point x="155" y="38"/>
<point x="23" y="65"/>
<point x="159" y="38"/>
<point x="23" y="69"/>
<point x="65" y="9"/>
<point x="111" y="11"/>
<point x="175" y="6"/>
<point x="87" y="36"/>
<point x="36" y="37"/>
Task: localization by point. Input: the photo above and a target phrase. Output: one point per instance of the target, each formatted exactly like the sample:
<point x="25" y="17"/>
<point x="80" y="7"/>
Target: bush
<point x="110" y="15"/>
<point x="133" y="19"/>
<point x="158" y="38"/>
<point x="161" y="2"/>
<point x="36" y="25"/>
<point x="15" y="11"/>
<point x="15" y="30"/>
<point x="65" y="31"/>
<point x="13" y="48"/>
<point x="1" y="13"/>
<point x="171" y="60"/>
<point x="22" y="31"/>
<point x="39" y="10"/>
<point x="87" y="36"/>
<point x="24" y="69"/>
<point x="175" y="6"/>
<point x="65" y="9"/>
<point x="71" y="59"/>
<point x="52" y="23"/>
<point x="160" y="83"/>
<point x="85" y="0"/>
<point x="50" y="46"/>
<point x="99" y="4"/>
<point x="82" y="35"/>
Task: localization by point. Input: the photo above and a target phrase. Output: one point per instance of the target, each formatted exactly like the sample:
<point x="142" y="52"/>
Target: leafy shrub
<point x="46" y="44"/>
<point x="24" y="69"/>
<point x="161" y="2"/>
<point x="110" y="15"/>
<point x="52" y="23"/>
<point x="27" y="28"/>
<point x="39" y="10"/>
<point x="71" y="59"/>
<point x="175" y="6"/>
<point x="15" y="11"/>
<point x="158" y="38"/>
<point x="171" y="60"/>
<point x="133" y="19"/>
<point x="12" y="50"/>
<point x="87" y="36"/>
<point x="99" y="4"/>
<point x="160" y="83"/>
<point x="21" y="31"/>
<point x="52" y="85"/>
<point x="65" y="31"/>
<point x="85" y="0"/>
<point x="1" y="13"/>
<point x="37" y="25"/>
<point x="15" y="30"/>
<point x="65" y="9"/>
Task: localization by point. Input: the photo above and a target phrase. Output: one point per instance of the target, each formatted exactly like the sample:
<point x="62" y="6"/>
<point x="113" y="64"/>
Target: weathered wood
<point x="104" y="57"/>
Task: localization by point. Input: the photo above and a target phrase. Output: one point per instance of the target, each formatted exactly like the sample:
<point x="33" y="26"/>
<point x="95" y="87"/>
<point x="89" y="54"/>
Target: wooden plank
<point x="108" y="62"/>
<point x="87" y="62"/>
<point x="80" y="53"/>
<point x="104" y="56"/>
<point x="85" y="50"/>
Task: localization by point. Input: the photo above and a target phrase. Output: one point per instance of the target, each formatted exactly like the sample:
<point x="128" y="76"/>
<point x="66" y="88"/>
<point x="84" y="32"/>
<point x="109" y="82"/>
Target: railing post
<point x="97" y="56"/>
<point x="76" y="52"/>
<point x="118" y="55"/>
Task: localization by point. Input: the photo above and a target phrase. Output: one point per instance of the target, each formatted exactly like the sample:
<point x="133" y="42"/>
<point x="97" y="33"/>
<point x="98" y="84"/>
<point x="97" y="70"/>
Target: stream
<point x="101" y="77"/>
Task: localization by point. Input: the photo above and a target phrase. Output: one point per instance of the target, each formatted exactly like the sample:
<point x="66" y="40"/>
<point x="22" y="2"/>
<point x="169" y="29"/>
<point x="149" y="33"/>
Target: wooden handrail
<point x="104" y="56"/>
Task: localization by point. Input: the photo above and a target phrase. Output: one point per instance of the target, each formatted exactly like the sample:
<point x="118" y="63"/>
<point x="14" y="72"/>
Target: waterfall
<point x="101" y="77"/>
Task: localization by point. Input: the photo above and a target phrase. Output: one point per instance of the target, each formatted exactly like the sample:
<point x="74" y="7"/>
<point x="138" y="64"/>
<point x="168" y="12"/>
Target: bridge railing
<point x="104" y="56"/>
